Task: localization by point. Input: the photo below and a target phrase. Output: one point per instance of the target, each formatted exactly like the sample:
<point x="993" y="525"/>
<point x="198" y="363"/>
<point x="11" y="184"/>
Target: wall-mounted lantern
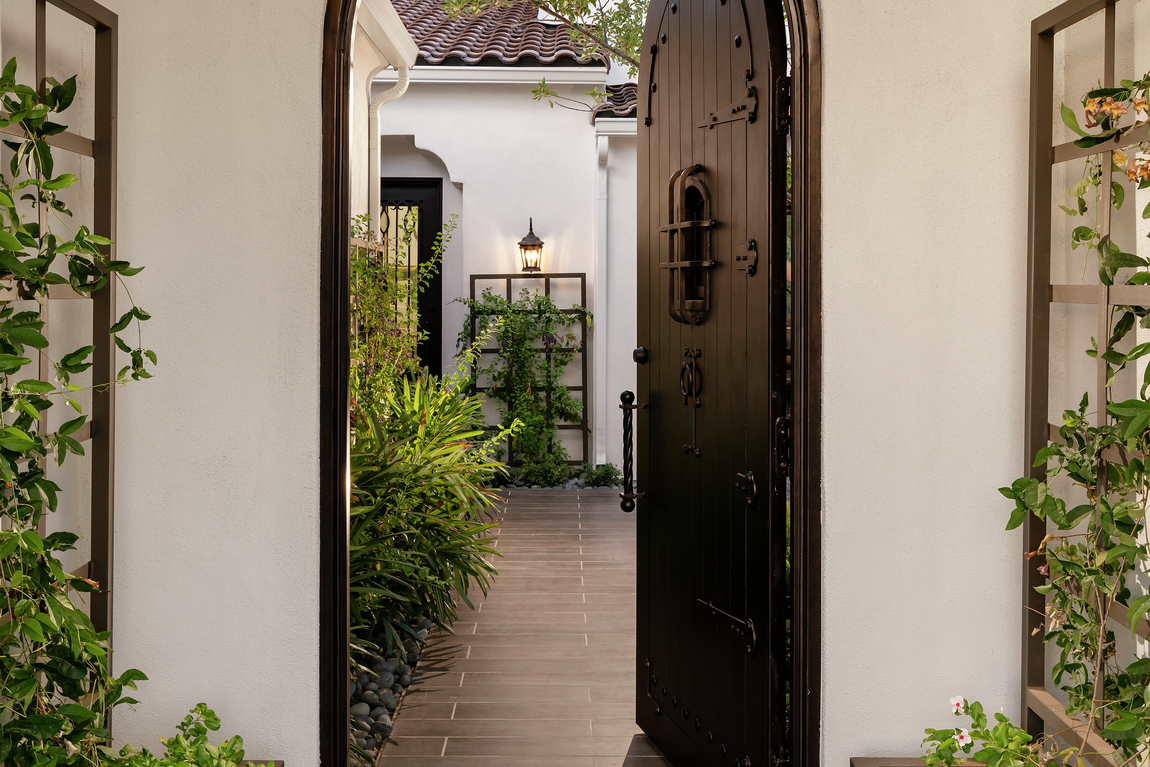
<point x="531" y="249"/>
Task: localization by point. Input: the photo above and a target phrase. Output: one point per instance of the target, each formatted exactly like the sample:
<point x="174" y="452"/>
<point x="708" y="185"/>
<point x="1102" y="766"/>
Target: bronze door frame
<point x="806" y="108"/>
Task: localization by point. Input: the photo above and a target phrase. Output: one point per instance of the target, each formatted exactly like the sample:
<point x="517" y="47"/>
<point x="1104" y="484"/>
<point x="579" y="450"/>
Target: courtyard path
<point x="541" y="673"/>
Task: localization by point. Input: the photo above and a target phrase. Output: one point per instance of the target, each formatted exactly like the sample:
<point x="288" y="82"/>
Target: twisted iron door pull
<point x="627" y="404"/>
<point x="691" y="384"/>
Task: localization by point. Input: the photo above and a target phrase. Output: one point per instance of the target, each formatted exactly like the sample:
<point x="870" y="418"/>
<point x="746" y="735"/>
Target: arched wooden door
<point x="713" y="435"/>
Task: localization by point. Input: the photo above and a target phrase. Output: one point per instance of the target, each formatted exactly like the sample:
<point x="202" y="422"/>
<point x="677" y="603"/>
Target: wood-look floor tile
<point x="401" y="745"/>
<point x="425" y="710"/>
<point x="487" y="761"/>
<point x="468" y="710"/>
<point x="528" y="653"/>
<point x="615" y="727"/>
<point x="506" y="692"/>
<point x="501" y="728"/>
<point x="527" y="669"/>
<point x="539" y="747"/>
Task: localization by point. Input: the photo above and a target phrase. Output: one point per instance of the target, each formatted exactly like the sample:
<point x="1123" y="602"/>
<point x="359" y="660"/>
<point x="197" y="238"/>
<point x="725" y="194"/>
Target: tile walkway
<point x="542" y="671"/>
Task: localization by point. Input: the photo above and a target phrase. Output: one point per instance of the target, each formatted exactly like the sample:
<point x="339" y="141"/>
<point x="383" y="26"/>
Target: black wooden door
<point x="712" y="450"/>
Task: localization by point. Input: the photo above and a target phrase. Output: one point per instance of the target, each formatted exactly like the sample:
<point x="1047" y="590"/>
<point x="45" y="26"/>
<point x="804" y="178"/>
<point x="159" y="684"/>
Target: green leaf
<point x="1017" y="517"/>
<point x="71" y="426"/>
<point x="32" y="541"/>
<point x="1138" y="608"/>
<point x="35" y="385"/>
<point x="76" y="712"/>
<point x="10" y="363"/>
<point x="9" y="242"/>
<point x="37" y="726"/>
<point x="28" y="336"/>
<point x="1118" y="194"/>
<point x="123" y="322"/>
<point x="1088" y="141"/>
<point x="1071" y="120"/>
<point x="12" y="438"/>
<point x="1121" y="260"/>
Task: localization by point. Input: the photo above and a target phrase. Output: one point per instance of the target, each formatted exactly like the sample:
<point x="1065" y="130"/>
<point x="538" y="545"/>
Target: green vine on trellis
<point x="536" y="342"/>
<point x="1095" y="559"/>
<point x="56" y="683"/>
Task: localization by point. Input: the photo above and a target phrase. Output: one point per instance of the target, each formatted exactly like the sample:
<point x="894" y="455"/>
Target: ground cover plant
<point x="1095" y="559"/>
<point x="536" y="342"/>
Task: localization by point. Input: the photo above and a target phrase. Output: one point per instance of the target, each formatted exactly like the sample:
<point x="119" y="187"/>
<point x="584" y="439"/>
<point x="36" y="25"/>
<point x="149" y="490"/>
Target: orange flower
<point x="1139" y="170"/>
<point x="1112" y="108"/>
<point x="1092" y="106"/>
<point x="1121" y="158"/>
<point x="1139" y="104"/>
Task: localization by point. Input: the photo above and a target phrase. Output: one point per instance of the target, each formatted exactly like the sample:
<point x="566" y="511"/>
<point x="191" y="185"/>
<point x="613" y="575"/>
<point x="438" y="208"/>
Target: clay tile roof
<point x="622" y="100"/>
<point x="506" y="35"/>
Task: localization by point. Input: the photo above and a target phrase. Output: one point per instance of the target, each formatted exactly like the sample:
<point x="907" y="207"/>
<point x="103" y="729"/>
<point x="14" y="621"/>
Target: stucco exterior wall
<point x="924" y="270"/>
<point x="217" y="550"/>
<point x="505" y="158"/>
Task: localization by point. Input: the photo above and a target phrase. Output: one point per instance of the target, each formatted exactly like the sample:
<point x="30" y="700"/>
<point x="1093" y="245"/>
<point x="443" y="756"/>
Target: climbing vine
<point x="536" y="342"/>
<point x="1095" y="558"/>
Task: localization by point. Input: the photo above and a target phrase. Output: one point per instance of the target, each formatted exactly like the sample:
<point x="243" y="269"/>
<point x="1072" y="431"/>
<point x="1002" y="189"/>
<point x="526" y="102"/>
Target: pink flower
<point x="957" y="703"/>
<point x="962" y="737"/>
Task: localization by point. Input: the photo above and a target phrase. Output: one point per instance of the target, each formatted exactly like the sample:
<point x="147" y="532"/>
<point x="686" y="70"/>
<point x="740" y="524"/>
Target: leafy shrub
<point x="385" y="309"/>
<point x="536" y="343"/>
<point x="548" y="471"/>
<point x="421" y="513"/>
<point x="190" y="748"/>
<point x="603" y="475"/>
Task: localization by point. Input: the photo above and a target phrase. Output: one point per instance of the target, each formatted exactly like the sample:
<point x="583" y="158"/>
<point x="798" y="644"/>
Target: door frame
<point x="806" y="351"/>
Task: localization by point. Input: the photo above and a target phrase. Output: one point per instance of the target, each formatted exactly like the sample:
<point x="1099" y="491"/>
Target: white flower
<point x="962" y="737"/>
<point x="957" y="703"/>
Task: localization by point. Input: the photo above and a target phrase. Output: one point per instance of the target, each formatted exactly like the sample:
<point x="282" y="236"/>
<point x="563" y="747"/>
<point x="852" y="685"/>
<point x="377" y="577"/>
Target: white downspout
<point x="374" y="174"/>
<point x="601" y="403"/>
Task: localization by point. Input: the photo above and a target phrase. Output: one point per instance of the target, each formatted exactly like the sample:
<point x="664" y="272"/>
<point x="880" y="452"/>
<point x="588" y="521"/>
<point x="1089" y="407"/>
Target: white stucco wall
<point x="924" y="270"/>
<point x="217" y="481"/>
<point x="505" y="158"/>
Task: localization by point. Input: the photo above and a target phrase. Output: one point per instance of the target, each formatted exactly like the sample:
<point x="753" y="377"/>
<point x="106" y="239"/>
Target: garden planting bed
<point x="377" y="691"/>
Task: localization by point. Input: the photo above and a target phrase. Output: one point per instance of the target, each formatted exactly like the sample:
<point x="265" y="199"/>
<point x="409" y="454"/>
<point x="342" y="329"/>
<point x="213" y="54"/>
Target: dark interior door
<point x="712" y="450"/>
<point x="426" y="194"/>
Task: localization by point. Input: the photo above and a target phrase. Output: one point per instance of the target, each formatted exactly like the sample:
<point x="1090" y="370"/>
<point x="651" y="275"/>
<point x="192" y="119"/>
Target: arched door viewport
<point x="339" y="24"/>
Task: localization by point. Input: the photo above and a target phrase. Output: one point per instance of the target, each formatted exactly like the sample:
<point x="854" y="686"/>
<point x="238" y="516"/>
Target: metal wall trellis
<point x="1041" y="709"/>
<point x="509" y="280"/>
<point x="99" y="432"/>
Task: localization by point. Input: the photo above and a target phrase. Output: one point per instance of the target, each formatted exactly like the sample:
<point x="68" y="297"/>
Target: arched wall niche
<point x="339" y="26"/>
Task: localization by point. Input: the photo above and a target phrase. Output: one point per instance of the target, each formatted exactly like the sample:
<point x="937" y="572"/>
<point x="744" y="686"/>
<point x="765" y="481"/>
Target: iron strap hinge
<point x="744" y="628"/>
<point x="742" y="109"/>
<point x="783" y="103"/>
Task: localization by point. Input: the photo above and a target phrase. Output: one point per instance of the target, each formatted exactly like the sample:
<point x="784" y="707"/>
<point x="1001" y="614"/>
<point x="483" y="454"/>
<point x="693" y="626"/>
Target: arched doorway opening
<point x="805" y="637"/>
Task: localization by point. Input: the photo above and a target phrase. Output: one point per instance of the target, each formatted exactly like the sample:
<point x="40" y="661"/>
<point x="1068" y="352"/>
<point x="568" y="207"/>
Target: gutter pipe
<point x="374" y="173"/>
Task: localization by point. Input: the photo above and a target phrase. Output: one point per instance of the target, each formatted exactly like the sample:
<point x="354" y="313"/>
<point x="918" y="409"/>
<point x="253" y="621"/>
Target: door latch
<point x="782" y="447"/>
<point x="746" y="483"/>
<point x="747" y="257"/>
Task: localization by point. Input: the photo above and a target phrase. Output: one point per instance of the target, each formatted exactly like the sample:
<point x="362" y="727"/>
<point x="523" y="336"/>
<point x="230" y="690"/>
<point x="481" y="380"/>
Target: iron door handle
<point x="746" y="482"/>
<point x="627" y="405"/>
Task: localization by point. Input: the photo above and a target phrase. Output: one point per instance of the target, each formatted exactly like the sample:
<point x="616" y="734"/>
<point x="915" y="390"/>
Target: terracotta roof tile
<point x="506" y="35"/>
<point x="622" y="100"/>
